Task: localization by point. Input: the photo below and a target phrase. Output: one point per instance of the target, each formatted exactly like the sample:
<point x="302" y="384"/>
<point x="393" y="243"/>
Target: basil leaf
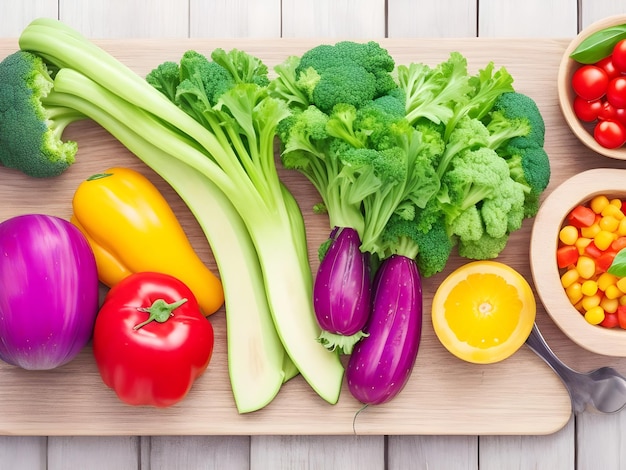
<point x="598" y="45"/>
<point x="618" y="266"/>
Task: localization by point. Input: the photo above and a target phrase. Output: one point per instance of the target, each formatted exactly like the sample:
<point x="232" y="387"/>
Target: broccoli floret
<point x="530" y="167"/>
<point x="468" y="225"/>
<point x="341" y="124"/>
<point x="469" y="134"/>
<point x="31" y="126"/>
<point x="503" y="211"/>
<point x="475" y="175"/>
<point x="514" y="115"/>
<point x="165" y="78"/>
<point x="429" y="248"/>
<point x="346" y="72"/>
<point x="486" y="247"/>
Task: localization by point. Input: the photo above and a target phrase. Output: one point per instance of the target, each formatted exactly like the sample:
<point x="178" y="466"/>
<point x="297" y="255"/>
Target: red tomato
<point x="607" y="111"/>
<point x="590" y="82"/>
<point x="587" y="111"/>
<point x="151" y="341"/>
<point x="607" y="65"/>
<point x="619" y="56"/>
<point x="610" y="134"/>
<point x="620" y="115"/>
<point x="616" y="92"/>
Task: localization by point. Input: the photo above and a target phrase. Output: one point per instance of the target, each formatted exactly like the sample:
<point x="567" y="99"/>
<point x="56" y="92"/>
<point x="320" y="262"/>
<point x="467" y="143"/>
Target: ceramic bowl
<point x="568" y="66"/>
<point x="543" y="244"/>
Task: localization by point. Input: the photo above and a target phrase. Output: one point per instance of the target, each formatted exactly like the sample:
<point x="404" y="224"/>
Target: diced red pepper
<point x="621" y="316"/>
<point x="604" y="261"/>
<point x="581" y="216"/>
<point x="618" y="244"/>
<point x="566" y="256"/>
<point x="592" y="250"/>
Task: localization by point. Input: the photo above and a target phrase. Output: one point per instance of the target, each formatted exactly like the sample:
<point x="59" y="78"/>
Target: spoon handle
<point x="575" y="383"/>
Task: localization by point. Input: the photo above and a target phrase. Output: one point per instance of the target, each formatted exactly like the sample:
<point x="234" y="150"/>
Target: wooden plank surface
<point x="518" y="396"/>
<point x="586" y="437"/>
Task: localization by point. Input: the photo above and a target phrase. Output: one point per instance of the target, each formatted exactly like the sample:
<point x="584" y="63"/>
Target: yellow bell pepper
<point x="131" y="228"/>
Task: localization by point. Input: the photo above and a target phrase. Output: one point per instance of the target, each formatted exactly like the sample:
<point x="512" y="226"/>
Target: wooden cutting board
<point x="520" y="395"/>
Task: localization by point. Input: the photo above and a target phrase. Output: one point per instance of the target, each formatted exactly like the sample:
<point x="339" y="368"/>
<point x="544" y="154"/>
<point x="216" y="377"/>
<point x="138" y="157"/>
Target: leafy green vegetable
<point x="598" y="45"/>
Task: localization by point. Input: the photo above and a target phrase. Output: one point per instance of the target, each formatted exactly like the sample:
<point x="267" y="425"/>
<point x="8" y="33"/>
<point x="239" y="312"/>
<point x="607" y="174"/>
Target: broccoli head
<point x="515" y="115"/>
<point x="31" y="129"/>
<point x="346" y="72"/>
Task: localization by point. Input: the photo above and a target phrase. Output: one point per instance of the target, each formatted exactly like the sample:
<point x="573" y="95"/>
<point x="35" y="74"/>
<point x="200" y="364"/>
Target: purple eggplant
<point x="48" y="291"/>
<point x="381" y="363"/>
<point x="342" y="291"/>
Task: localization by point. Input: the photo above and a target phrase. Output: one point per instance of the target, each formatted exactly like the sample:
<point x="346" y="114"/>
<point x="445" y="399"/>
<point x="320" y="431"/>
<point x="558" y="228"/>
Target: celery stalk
<point x="256" y="356"/>
<point x="258" y="198"/>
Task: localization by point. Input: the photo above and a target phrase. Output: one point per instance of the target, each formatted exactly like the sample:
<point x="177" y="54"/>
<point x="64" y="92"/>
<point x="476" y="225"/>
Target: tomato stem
<point x="159" y="311"/>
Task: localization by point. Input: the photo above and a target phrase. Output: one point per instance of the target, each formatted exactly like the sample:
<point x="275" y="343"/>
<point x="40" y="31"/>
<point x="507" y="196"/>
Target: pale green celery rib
<point x="255" y="354"/>
<point x="288" y="283"/>
<point x="287" y="286"/>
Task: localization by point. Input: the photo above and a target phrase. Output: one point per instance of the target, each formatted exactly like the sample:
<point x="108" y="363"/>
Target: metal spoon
<point x="603" y="388"/>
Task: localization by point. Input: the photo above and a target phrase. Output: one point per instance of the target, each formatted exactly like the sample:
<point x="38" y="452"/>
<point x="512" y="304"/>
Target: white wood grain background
<point x="588" y="442"/>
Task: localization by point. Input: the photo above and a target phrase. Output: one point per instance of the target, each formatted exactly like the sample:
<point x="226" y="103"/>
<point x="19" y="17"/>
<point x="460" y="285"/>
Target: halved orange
<point x="483" y="312"/>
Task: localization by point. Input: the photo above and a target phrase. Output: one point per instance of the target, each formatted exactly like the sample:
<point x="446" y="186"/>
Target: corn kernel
<point x="590" y="301"/>
<point x="622" y="300"/>
<point x="603" y="239"/>
<point x="621" y="284"/>
<point x="568" y="235"/>
<point x="573" y="293"/>
<point x="605" y="280"/>
<point x="613" y="210"/>
<point x="621" y="229"/>
<point x="569" y="277"/>
<point x="589" y="287"/>
<point x="586" y="267"/>
<point x="594" y="315"/>
<point x="598" y="203"/>
<point x="609" y="223"/>
<point x="612" y="292"/>
<point x="609" y="305"/>
<point x="591" y="231"/>
<point x="581" y="243"/>
<point x="617" y="202"/>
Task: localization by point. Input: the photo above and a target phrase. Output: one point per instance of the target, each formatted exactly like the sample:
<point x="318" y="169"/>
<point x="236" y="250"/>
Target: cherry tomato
<point x="610" y="134"/>
<point x="619" y="56"/>
<point x="607" y="111"/>
<point x="607" y="65"/>
<point x="590" y="82"/>
<point x="616" y="92"/>
<point x="587" y="111"/>
<point x="620" y="115"/>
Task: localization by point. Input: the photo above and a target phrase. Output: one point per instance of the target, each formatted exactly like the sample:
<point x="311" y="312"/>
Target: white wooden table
<point x="588" y="441"/>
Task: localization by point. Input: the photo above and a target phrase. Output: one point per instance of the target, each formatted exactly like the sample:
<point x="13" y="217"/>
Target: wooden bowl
<point x="543" y="244"/>
<point x="568" y="66"/>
